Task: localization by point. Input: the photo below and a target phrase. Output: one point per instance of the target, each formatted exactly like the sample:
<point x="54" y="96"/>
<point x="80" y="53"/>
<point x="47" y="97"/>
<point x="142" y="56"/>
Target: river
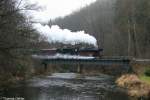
<point x="68" y="86"/>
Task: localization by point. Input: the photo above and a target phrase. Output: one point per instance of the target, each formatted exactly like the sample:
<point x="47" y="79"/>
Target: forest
<point x="120" y="26"/>
<point x="16" y="35"/>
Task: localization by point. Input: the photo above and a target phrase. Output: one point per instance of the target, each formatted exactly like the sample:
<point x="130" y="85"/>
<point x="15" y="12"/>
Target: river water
<point x="68" y="86"/>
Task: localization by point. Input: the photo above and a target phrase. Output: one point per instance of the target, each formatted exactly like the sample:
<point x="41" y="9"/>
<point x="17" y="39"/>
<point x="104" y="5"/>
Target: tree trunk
<point x="129" y="38"/>
<point x="137" y="53"/>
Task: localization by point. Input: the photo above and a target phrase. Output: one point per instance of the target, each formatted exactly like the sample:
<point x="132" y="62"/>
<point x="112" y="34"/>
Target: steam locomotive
<point x="91" y="52"/>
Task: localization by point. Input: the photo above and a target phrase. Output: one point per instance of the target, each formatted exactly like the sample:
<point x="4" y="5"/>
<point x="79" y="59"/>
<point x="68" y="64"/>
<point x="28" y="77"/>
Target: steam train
<point x="91" y="52"/>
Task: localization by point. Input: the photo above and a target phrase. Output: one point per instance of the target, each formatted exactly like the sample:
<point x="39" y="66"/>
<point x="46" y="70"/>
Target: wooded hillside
<point x="120" y="26"/>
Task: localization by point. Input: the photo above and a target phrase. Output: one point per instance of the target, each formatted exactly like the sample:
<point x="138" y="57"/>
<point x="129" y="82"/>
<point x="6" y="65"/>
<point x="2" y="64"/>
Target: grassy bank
<point x="137" y="84"/>
<point x="145" y="78"/>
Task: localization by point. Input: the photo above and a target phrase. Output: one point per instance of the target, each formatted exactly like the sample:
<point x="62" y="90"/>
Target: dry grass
<point x="134" y="85"/>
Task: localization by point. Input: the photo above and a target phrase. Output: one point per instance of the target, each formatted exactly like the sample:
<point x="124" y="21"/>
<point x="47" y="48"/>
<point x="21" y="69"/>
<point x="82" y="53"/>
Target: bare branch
<point x="19" y="4"/>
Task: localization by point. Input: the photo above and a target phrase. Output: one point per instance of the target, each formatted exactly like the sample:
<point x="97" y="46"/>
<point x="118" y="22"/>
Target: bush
<point x="147" y="72"/>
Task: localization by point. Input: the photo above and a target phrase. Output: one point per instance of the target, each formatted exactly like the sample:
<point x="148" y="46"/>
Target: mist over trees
<point x="120" y="26"/>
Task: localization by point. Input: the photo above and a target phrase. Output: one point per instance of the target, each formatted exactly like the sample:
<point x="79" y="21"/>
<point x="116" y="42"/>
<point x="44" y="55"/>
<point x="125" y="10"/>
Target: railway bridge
<point x="79" y="57"/>
<point x="123" y="62"/>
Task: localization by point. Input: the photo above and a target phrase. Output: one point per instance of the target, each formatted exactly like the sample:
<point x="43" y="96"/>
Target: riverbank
<point x="135" y="86"/>
<point x="6" y="82"/>
<point x="145" y="78"/>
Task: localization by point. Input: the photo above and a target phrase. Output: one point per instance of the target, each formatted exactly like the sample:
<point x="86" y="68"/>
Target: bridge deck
<point x="107" y="61"/>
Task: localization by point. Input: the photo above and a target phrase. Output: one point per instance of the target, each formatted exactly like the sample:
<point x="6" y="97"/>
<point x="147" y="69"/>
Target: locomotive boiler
<point x="90" y="52"/>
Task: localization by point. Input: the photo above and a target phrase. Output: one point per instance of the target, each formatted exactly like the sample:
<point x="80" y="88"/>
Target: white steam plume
<point x="56" y="34"/>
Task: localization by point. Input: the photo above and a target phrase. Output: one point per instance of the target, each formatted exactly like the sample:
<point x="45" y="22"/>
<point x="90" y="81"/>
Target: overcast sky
<point x="52" y="9"/>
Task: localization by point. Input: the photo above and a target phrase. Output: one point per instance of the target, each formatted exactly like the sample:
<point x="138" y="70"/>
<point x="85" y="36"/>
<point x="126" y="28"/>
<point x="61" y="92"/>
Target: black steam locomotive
<point x="91" y="52"/>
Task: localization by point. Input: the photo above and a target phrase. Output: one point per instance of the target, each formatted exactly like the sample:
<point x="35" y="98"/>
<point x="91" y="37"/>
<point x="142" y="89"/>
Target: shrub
<point x="147" y="72"/>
